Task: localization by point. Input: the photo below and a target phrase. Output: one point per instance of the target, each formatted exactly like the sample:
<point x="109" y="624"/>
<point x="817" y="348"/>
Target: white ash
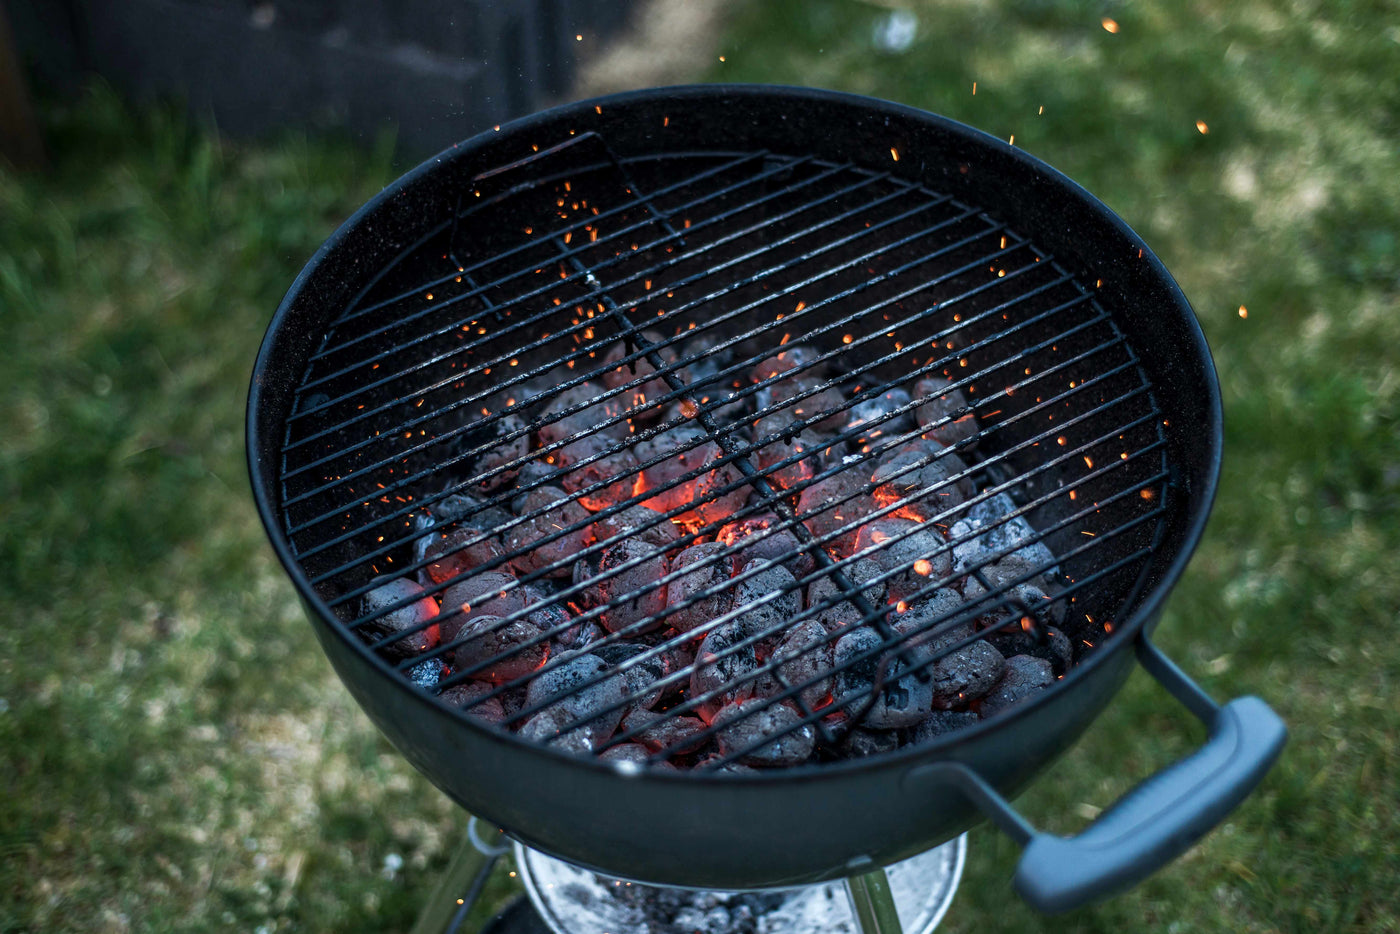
<point x="426" y="674"/>
<point x="576" y="899"/>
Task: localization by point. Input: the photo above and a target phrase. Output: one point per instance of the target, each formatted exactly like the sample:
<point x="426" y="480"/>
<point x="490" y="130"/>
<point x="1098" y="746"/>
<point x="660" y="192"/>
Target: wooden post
<point x="20" y="142"/>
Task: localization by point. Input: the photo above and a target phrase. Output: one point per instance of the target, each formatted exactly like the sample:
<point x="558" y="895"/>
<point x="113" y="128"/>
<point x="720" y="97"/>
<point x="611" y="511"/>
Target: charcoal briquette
<point x="753" y="721"/>
<point x="1025" y="676"/>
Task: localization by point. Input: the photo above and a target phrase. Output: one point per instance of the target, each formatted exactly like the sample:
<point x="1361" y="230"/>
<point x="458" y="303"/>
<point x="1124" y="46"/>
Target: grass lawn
<point x="177" y="755"/>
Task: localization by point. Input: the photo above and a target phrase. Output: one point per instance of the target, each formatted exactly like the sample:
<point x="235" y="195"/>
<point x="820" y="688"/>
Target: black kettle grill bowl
<point x="807" y="823"/>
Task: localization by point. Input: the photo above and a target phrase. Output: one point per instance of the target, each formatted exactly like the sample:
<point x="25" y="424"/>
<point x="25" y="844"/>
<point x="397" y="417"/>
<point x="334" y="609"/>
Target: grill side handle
<point x="1154" y="822"/>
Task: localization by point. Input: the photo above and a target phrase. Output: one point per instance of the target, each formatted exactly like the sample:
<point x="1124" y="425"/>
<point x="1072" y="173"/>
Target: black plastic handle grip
<point x="1158" y="819"/>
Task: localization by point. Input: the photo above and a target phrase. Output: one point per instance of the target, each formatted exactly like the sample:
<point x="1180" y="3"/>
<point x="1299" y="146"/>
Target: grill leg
<point x="460" y="885"/>
<point x="872" y="903"/>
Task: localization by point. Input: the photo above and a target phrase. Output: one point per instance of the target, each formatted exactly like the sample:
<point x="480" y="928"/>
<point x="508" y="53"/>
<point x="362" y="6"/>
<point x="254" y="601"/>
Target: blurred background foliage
<point x="177" y="754"/>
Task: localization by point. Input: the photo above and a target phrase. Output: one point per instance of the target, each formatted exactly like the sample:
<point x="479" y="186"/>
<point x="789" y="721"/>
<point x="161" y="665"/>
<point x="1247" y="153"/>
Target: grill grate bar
<point x="651" y="270"/>
<point x="930" y="367"/>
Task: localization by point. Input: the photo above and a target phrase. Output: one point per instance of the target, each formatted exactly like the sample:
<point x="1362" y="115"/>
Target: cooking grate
<point x="437" y="378"/>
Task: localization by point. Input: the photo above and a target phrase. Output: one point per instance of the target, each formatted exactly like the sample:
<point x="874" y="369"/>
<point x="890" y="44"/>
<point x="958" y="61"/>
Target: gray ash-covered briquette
<point x="503" y="650"/>
<point x="470" y="697"/>
<point x="768" y="600"/>
<point x="837" y="613"/>
<point x="724" y="666"/>
<point x="806" y="397"/>
<point x="412" y="616"/>
<point x="579" y="690"/>
<point x="1025" y="676"/>
<point x="863" y="670"/>
<point x="808" y="450"/>
<point x="640" y="667"/>
<point x="913" y="550"/>
<point x="992" y="528"/>
<point x="640" y="401"/>
<point x="635" y="521"/>
<point x="559" y="515"/>
<point x="803" y="655"/>
<point x="710" y="569"/>
<point x="941" y="722"/>
<point x="876" y="418"/>
<point x="616" y="469"/>
<point x="758" y="538"/>
<point x="943" y="412"/>
<point x="627" y="569"/>
<point x="747" y="724"/>
<point x="839" y="501"/>
<point x="860" y="743"/>
<point x="926" y="482"/>
<point x="675" y="735"/>
<point x="490" y="593"/>
<point x="595" y="416"/>
<point x="499" y="455"/>
<point x="456" y="552"/>
<point x="965" y="674"/>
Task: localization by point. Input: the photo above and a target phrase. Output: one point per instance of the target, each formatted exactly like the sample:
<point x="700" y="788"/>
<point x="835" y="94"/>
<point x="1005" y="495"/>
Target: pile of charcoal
<point x="606" y="580"/>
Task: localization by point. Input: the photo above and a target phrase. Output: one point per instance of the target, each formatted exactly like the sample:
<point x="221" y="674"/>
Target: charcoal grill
<point x="672" y="240"/>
